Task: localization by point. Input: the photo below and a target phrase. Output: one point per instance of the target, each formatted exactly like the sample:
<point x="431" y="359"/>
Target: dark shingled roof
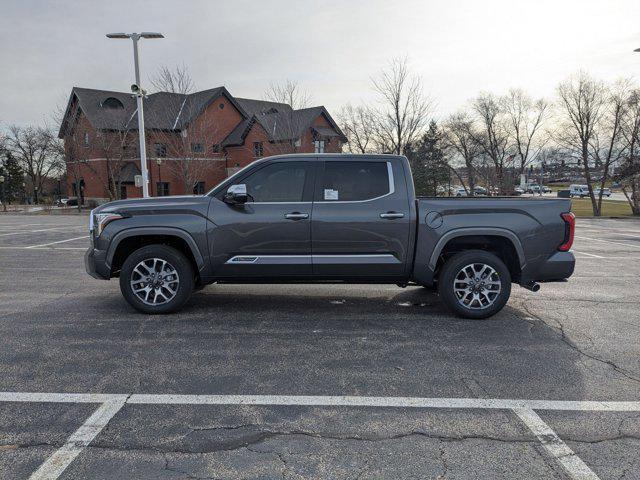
<point x="174" y="111"/>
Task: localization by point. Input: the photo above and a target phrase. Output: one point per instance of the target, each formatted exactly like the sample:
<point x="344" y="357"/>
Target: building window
<point x="113" y="103"/>
<point x="257" y="149"/>
<point x="198" y="188"/>
<point x="86" y="139"/>
<point x="197" y="148"/>
<point x="216" y="148"/>
<point x="319" y="146"/>
<point x="162" y="189"/>
<point x="160" y="149"/>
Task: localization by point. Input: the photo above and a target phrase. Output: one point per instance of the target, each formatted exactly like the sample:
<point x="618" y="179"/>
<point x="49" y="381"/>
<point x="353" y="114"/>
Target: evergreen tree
<point x="13" y="178"/>
<point x="428" y="162"/>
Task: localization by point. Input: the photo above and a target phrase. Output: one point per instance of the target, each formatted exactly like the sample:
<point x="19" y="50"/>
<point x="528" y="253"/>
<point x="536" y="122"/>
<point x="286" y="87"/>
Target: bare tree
<point x="492" y="136"/>
<point x="357" y="123"/>
<point x="186" y="154"/>
<point x="37" y="151"/>
<point x="289" y="92"/>
<point x="524" y="121"/>
<point x="608" y="144"/>
<point x="173" y="80"/>
<point x="460" y="141"/>
<point x="629" y="172"/>
<point x="405" y="110"/>
<point x="582" y="104"/>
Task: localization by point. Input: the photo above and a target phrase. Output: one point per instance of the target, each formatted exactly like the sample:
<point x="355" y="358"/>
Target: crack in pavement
<point x="563" y="336"/>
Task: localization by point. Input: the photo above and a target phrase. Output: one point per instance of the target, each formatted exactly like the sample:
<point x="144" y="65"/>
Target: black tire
<point x="453" y="267"/>
<point x="174" y="258"/>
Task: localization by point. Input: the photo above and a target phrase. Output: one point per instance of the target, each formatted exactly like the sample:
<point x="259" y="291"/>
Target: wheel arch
<point x="504" y="243"/>
<point x="131" y="239"/>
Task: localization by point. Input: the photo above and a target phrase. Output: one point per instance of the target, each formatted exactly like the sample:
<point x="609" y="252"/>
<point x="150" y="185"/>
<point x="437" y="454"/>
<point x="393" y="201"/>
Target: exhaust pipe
<point x="533" y="286"/>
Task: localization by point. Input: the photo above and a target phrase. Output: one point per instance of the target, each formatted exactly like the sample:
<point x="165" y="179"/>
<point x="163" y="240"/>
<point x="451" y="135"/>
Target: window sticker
<point x="330" y="194"/>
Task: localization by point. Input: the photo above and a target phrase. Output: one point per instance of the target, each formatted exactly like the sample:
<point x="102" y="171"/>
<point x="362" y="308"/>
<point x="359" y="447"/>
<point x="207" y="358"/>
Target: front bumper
<point x="95" y="264"/>
<point x="557" y="267"/>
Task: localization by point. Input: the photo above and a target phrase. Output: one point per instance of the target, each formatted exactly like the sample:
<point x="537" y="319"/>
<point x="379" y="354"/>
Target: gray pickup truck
<point x="330" y="218"/>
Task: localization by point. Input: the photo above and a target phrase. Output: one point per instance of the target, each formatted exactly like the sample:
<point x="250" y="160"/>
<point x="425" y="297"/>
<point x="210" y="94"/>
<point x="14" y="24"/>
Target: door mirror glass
<point x="236" y="194"/>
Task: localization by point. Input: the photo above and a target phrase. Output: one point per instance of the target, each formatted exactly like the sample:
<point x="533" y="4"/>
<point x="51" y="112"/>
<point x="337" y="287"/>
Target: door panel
<point x="360" y="236"/>
<point x="270" y="235"/>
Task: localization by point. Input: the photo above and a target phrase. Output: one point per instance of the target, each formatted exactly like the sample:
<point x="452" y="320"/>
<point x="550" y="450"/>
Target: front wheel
<point x="157" y="279"/>
<point x="474" y="284"/>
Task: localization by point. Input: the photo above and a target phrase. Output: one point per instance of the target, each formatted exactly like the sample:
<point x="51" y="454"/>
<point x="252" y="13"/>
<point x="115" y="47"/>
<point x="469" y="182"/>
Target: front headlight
<point x="101" y="220"/>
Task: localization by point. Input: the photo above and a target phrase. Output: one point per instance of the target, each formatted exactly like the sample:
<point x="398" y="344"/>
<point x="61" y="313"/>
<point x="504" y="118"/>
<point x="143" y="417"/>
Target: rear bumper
<point x="557" y="267"/>
<point x="95" y="264"/>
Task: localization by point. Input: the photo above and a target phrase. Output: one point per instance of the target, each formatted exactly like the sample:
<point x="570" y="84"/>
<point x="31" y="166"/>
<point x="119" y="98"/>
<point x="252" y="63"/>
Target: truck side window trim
<point x="391" y="191"/>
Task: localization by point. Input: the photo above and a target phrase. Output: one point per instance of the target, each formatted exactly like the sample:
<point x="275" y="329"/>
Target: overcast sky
<point x="331" y="47"/>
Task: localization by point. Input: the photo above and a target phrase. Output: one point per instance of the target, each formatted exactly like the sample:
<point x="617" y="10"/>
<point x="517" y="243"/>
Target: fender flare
<point x="464" y="232"/>
<point x="140" y="231"/>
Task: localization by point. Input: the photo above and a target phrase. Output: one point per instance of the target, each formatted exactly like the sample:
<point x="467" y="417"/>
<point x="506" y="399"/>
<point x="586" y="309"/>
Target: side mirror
<point x="236" y="194"/>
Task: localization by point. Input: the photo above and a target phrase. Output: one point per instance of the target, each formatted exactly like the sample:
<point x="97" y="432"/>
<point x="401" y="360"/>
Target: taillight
<point x="569" y="230"/>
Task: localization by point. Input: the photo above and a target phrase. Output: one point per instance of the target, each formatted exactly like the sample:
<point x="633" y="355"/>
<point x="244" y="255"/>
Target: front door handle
<point x="296" y="216"/>
<point x="391" y="215"/>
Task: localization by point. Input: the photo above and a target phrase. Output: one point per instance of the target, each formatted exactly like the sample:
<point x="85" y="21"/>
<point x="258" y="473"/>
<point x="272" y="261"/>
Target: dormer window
<point x="112" y="103"/>
<point x="270" y="111"/>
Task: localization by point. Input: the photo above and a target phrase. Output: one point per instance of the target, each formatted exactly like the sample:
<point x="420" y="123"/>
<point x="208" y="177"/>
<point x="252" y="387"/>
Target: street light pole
<point x="139" y="92"/>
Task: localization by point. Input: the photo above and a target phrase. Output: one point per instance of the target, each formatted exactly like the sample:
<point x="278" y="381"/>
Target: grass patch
<point x="581" y="207"/>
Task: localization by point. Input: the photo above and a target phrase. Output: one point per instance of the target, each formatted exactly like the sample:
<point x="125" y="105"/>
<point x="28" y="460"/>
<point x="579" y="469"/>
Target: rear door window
<point x="354" y="181"/>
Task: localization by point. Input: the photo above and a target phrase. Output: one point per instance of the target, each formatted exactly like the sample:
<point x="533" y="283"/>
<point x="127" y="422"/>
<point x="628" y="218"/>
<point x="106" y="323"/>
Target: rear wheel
<point x="156" y="279"/>
<point x="474" y="284"/>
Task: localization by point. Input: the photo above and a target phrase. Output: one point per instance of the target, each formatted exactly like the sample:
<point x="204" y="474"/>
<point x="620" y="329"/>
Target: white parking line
<point x="54" y="243"/>
<point x="55" y="465"/>
<point x="326" y="401"/>
<point x="32" y="231"/>
<point x="608" y="241"/>
<point x="11" y="247"/>
<point x="559" y="450"/>
<point x="588" y="254"/>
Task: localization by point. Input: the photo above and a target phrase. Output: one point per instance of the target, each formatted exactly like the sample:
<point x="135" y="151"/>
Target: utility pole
<point x="139" y="93"/>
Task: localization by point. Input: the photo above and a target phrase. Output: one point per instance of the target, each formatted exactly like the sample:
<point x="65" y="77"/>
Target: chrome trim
<point x="382" y="258"/>
<point x="277" y="203"/>
<point x="392" y="189"/>
<point x="269" y="260"/>
<point x="392" y="215"/>
<point x="296" y="216"/>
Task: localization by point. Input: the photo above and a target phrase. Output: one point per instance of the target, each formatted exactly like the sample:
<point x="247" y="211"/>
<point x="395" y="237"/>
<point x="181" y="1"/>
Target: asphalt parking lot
<point x="329" y="381"/>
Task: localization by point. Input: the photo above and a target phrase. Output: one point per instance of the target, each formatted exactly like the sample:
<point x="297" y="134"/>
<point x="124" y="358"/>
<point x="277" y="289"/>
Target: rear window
<point x="353" y="181"/>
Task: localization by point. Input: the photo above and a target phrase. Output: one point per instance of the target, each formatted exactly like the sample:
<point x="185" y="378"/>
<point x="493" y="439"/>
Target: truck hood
<point x="138" y="205"/>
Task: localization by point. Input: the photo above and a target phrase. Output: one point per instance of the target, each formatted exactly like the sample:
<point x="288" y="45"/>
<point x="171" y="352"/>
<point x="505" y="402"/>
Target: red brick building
<point x="193" y="141"/>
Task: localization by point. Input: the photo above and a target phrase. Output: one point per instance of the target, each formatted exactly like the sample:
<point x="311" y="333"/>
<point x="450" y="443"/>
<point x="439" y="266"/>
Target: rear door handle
<point x="391" y="215"/>
<point x="296" y="216"/>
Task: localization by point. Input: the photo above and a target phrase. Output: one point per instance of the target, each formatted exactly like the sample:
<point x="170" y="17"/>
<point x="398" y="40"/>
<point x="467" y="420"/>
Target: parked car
<point x="546" y="189"/>
<point x="579" y="191"/>
<point x="460" y="192"/>
<point x="606" y="192"/>
<point x="330" y="218"/>
<point x="517" y="191"/>
<point x="533" y="188"/>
